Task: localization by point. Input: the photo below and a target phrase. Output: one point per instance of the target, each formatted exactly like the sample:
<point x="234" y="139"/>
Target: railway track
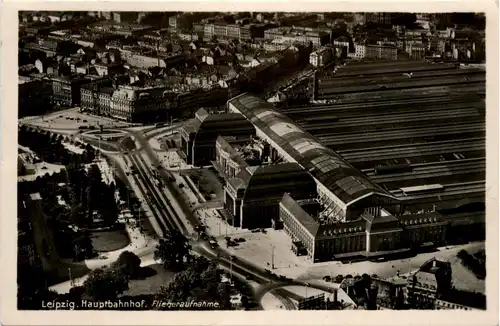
<point x="434" y="165"/>
<point x="402" y="104"/>
<point x="457" y="89"/>
<point x="409" y="84"/>
<point x="394" y="69"/>
<point x="393" y="119"/>
<point x="372" y="154"/>
<point x="398" y="76"/>
<point x="404" y="133"/>
<point x="169" y="215"/>
<point x="454" y="189"/>
<point x="151" y="196"/>
<point x="437" y="174"/>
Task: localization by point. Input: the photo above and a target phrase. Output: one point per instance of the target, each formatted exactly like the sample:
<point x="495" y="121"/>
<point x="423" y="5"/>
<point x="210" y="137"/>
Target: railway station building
<point x="199" y="137"/>
<point x="255" y="183"/>
<point x="350" y="215"/>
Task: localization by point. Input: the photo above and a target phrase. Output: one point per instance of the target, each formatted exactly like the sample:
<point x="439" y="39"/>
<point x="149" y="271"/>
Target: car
<point x="44" y="167"/>
<point x="83" y="120"/>
<point x="255" y="230"/>
<point x="125" y="153"/>
<point x="60" y="116"/>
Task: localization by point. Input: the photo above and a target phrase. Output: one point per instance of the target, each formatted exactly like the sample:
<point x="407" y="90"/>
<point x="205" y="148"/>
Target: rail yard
<point x="405" y="125"/>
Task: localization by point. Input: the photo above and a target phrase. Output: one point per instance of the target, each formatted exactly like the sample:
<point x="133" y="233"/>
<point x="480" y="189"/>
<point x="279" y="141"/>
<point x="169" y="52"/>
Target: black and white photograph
<point x="252" y="161"/>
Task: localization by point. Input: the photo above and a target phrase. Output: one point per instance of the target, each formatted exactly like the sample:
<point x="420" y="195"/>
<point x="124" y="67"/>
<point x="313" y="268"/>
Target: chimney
<point x="434" y="263"/>
<point x="335" y="295"/>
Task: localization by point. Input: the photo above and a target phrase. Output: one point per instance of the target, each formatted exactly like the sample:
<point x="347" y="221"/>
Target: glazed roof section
<point x="328" y="167"/>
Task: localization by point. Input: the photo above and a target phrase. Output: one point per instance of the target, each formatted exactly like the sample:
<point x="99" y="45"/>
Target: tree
<point x="201" y="281"/>
<point x="172" y="250"/>
<point x="105" y="284"/>
<point x="129" y="264"/>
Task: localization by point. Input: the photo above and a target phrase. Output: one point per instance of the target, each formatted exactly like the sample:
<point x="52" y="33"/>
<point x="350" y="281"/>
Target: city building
<point x="108" y="68"/>
<point x="133" y="103"/>
<point x="378" y="17"/>
<point x="96" y="97"/>
<point x="381" y="52"/>
<point x="35" y="95"/>
<point x="342" y="41"/>
<point x="66" y="90"/>
<point x="321" y="57"/>
<point x="359" y="51"/>
<point x="431" y="287"/>
<point x="173" y="22"/>
<point x="300" y="35"/>
<point x="416" y="51"/>
<point x="233" y="32"/>
<point x="125" y="16"/>
<point x="148" y="60"/>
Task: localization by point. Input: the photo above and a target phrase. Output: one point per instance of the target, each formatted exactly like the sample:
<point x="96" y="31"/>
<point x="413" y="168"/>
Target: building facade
<point x="381" y="52"/>
<point x="134" y="103"/>
<point x="321" y="57"/>
<point x="67" y="90"/>
<point x="96" y="97"/>
<point x="34" y="96"/>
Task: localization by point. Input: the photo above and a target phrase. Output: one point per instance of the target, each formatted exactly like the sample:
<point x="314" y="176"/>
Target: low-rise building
<point x="342" y="42"/>
<point x="416" y="51"/>
<point x="147" y="60"/>
<point x="359" y="51"/>
<point x="321" y="57"/>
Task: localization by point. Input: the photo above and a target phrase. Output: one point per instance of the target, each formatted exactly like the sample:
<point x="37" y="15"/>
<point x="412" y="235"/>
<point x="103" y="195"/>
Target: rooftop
<point x="328" y="167"/>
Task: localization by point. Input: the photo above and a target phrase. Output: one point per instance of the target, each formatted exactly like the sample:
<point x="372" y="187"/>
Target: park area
<point x="153" y="277"/>
<point x="106" y="241"/>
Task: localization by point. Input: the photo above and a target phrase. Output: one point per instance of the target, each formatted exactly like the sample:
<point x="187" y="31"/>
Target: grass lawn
<point x="104" y="241"/>
<point x="155" y="277"/>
